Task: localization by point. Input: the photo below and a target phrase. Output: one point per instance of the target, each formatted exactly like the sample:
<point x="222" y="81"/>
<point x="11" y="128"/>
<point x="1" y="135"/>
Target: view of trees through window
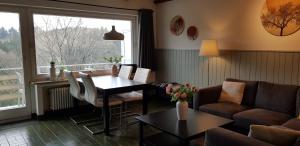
<point x="76" y="43"/>
<point x="11" y="62"/>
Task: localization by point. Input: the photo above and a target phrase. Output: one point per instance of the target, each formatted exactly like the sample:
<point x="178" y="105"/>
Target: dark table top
<point x="197" y="123"/>
<point x="111" y="82"/>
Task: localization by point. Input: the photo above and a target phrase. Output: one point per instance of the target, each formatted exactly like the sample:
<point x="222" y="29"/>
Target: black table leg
<point x="141" y="138"/>
<point x="145" y="100"/>
<point x="106" y="113"/>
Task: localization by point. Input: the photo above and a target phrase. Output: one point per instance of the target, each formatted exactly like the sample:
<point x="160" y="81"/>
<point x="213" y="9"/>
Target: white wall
<point x="235" y="23"/>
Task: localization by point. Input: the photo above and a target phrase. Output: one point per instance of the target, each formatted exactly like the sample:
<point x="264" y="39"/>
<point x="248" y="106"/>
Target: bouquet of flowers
<point x="181" y="93"/>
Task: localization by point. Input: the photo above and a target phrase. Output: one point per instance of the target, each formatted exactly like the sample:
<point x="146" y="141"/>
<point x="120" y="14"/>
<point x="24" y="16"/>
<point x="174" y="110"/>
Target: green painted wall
<point x="186" y="66"/>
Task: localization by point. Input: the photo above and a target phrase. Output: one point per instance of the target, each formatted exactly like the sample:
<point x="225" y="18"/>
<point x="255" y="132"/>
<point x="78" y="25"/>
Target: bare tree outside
<point x="67" y="41"/>
<point x="282" y="20"/>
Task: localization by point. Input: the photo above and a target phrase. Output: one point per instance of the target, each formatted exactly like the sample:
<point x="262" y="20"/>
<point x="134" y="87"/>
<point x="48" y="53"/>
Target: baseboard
<point x="13" y="120"/>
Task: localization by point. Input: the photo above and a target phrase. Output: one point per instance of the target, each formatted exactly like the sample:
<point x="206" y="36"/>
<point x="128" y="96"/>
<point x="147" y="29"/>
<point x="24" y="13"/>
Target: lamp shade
<point x="209" y="48"/>
<point x="113" y="35"/>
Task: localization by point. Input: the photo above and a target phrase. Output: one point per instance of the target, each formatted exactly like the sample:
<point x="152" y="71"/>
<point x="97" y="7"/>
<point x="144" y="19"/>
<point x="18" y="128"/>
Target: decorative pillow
<point x="232" y="92"/>
<point x="275" y="135"/>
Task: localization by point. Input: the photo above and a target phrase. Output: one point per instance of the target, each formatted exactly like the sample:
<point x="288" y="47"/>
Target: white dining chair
<point x="75" y="90"/>
<point x="125" y="72"/>
<point x="77" y="93"/>
<point x="141" y="75"/>
<point x="91" y="96"/>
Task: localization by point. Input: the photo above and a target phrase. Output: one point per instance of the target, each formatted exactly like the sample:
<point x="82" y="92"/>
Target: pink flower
<point x="183" y="96"/>
<point x="177" y="95"/>
<point x="169" y="89"/>
<point x="188" y="85"/>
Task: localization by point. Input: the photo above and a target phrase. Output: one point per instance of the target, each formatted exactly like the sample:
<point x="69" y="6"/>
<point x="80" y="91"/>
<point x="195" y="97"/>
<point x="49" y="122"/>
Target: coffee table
<point x="174" y="132"/>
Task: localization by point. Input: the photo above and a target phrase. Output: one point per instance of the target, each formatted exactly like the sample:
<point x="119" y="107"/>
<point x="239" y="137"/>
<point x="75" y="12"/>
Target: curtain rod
<point x="93" y="5"/>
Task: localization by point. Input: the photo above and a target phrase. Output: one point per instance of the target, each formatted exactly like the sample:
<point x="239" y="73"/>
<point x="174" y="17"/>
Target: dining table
<point x="110" y="85"/>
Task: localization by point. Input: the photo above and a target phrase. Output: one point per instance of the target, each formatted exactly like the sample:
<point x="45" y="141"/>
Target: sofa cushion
<point x="224" y="109"/>
<point x="232" y="92"/>
<point x="276" y="135"/>
<point x="293" y="124"/>
<point x="276" y="97"/>
<point x="249" y="92"/>
<point x="259" y="116"/>
<point x="223" y="137"/>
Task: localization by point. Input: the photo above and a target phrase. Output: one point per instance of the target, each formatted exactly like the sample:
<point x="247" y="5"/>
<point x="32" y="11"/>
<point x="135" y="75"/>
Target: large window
<point x="11" y="62"/>
<point x="76" y="43"/>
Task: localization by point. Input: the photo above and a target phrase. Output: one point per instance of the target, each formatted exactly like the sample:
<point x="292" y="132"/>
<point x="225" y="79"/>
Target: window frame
<point x="86" y="14"/>
<point x="20" y="112"/>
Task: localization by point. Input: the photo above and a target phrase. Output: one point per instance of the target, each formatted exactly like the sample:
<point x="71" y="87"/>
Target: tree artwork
<point x="281" y="17"/>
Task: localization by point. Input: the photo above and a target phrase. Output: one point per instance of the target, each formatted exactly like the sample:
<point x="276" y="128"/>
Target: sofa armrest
<point x="206" y="96"/>
<point x="223" y="137"/>
<point x="297" y="143"/>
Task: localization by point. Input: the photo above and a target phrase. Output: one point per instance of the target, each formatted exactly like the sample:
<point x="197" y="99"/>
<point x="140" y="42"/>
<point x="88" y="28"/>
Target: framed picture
<point x="177" y="25"/>
<point x="281" y="17"/>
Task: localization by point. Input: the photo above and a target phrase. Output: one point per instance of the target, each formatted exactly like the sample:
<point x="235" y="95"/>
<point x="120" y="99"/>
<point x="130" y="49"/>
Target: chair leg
<point x="88" y="127"/>
<point x="129" y="114"/>
<point x="120" y="115"/>
<point x="73" y="118"/>
<point x="126" y="115"/>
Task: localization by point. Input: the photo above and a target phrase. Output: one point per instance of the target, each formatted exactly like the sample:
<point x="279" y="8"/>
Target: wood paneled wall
<point x="186" y="66"/>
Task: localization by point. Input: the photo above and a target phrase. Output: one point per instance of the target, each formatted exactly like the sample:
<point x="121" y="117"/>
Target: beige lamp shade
<point x="209" y="48"/>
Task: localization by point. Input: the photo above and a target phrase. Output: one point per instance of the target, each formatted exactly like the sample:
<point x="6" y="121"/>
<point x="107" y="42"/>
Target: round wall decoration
<point x="177" y="25"/>
<point x="192" y="33"/>
<point x="281" y="17"/>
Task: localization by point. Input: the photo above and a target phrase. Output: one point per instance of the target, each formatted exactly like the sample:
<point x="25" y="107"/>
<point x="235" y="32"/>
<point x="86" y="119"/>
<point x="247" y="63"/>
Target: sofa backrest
<point x="249" y="92"/>
<point x="277" y="97"/>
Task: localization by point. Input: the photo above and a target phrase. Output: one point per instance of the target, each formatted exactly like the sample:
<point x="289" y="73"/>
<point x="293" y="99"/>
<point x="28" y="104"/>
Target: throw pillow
<point x="232" y="92"/>
<point x="275" y="135"/>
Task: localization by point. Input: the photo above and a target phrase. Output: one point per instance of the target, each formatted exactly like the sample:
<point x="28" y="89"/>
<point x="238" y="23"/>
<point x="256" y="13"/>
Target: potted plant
<point x="114" y="60"/>
<point x="181" y="95"/>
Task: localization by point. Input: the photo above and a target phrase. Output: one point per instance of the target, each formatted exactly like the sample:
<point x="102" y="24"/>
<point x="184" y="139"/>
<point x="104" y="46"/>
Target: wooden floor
<point x="60" y="131"/>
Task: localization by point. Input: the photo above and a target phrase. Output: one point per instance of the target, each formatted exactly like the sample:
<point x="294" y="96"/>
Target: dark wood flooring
<point x="60" y="131"/>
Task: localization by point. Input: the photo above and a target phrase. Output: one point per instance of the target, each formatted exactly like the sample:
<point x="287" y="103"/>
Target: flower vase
<point x="182" y="110"/>
<point x="114" y="70"/>
<point x="61" y="75"/>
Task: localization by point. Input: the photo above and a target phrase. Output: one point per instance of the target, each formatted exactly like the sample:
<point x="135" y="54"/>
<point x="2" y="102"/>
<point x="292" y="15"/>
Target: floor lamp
<point x="209" y="48"/>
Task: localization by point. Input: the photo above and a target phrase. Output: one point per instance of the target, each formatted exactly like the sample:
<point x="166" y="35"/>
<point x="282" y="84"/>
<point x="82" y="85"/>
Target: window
<point x="76" y="43"/>
<point x="11" y="62"/>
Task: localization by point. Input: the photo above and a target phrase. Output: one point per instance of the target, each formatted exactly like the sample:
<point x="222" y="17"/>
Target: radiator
<point x="60" y="98"/>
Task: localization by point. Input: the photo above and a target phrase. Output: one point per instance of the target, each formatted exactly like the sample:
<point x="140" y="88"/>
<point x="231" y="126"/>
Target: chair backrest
<point x="142" y="75"/>
<point x="74" y="85"/>
<point x="125" y="72"/>
<point x="90" y="93"/>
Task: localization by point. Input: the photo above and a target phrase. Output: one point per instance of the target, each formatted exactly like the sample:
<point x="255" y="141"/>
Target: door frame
<point x="13" y="114"/>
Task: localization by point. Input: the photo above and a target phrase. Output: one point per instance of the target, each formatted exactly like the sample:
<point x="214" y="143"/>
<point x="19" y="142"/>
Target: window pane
<point x="11" y="62"/>
<point x="76" y="43"/>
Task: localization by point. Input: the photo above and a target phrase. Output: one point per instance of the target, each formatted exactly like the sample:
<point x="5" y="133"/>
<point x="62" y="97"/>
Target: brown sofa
<point x="224" y="137"/>
<point x="263" y="103"/>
